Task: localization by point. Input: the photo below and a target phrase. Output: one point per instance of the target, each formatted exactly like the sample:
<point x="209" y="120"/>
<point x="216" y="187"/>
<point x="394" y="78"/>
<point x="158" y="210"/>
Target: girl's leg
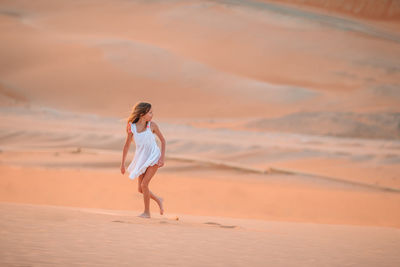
<point x="153" y="196"/>
<point x="151" y="170"/>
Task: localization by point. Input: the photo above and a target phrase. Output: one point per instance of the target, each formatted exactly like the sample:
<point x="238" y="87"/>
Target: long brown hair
<point x="140" y="109"/>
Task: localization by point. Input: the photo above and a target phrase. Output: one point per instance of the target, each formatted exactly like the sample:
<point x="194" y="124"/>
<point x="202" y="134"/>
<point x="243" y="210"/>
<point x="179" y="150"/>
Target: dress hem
<point x="143" y="170"/>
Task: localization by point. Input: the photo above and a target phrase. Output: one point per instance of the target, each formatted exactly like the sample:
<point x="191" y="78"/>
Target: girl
<point x="148" y="157"/>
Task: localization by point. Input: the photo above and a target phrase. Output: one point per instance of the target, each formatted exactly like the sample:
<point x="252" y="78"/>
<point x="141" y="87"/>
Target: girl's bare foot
<point x="145" y="215"/>
<point x="161" y="205"/>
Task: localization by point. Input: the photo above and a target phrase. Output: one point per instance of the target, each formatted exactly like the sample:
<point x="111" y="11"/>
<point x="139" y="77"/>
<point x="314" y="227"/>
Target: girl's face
<point x="149" y="115"/>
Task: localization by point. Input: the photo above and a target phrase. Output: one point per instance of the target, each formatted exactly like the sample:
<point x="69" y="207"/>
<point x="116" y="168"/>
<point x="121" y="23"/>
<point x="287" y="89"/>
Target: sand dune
<point x="77" y="156"/>
<point x="119" y="238"/>
<point x="125" y="50"/>
<point x="281" y="122"/>
<point x="346" y="124"/>
<point x="368" y="161"/>
<point x="207" y="191"/>
<point x="374" y="162"/>
<point x="388" y="10"/>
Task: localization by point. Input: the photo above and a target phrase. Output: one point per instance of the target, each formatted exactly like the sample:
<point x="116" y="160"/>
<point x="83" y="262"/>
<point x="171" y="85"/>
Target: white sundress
<point x="147" y="151"/>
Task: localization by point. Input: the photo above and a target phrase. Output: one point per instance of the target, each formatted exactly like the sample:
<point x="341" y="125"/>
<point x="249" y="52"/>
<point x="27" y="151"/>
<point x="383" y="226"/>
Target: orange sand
<point x="281" y="122"/>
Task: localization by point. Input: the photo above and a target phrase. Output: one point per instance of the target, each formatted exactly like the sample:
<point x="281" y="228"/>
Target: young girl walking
<point x="148" y="157"/>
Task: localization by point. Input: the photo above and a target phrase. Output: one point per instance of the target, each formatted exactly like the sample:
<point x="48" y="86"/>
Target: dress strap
<point x="133" y="128"/>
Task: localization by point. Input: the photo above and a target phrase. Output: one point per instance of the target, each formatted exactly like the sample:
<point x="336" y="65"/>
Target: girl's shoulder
<point x="152" y="125"/>
<point x="129" y="127"/>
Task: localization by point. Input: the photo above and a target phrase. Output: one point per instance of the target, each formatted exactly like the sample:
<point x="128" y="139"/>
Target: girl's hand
<point x="160" y="162"/>
<point x="122" y="168"/>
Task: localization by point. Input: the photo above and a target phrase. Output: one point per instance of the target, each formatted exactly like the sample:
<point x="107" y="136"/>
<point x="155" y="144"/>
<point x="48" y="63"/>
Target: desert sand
<point x="63" y="236"/>
<point x="282" y="123"/>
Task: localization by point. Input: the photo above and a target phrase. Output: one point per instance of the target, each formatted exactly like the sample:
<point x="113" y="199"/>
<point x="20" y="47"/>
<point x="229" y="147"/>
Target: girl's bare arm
<point x="161" y="137"/>
<point x="128" y="141"/>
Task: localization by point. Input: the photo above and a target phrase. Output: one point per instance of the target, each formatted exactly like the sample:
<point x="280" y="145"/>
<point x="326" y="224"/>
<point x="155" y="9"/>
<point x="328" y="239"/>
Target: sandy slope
<point x="375" y="162"/>
<point x="198" y="189"/>
<point x="49" y="235"/>
<point x="250" y="58"/>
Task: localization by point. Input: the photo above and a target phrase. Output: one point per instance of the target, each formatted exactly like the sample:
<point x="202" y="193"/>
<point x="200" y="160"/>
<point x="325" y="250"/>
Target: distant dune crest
<point x="373" y="9"/>
<point x="385" y="125"/>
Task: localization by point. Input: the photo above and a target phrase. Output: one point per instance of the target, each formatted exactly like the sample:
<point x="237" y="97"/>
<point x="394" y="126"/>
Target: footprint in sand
<point x="120" y="221"/>
<point x="228" y="226"/>
<point x="220" y="225"/>
<point x="214" y="223"/>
